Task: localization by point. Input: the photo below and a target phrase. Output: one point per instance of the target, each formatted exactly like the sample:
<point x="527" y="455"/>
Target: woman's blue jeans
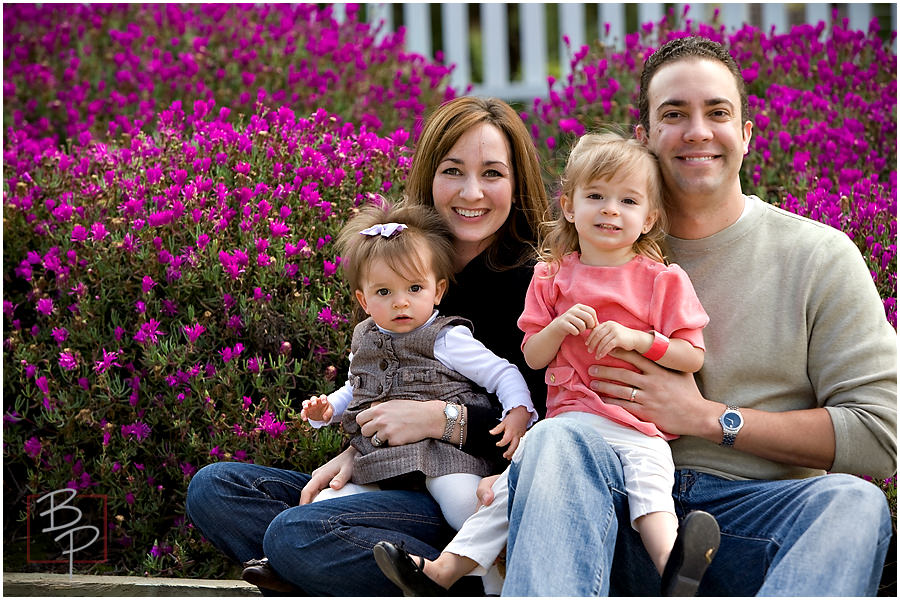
<point x="325" y="548"/>
<point x="570" y="532"/>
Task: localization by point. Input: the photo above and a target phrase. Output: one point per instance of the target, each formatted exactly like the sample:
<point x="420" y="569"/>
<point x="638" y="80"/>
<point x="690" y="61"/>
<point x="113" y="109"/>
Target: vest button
<point x="379" y="342"/>
<point x="383" y="364"/>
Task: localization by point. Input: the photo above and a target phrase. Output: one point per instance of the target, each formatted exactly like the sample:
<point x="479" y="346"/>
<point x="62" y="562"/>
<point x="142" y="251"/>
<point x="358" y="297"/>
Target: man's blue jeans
<point x="570" y="533"/>
<point x="325" y="548"/>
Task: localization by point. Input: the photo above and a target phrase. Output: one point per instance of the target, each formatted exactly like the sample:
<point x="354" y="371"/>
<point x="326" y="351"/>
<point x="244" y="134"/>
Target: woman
<point x="476" y="164"/>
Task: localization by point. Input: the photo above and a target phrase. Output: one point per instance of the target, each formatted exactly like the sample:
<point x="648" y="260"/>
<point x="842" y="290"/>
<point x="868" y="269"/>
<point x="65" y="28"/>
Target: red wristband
<point x="658" y="347"/>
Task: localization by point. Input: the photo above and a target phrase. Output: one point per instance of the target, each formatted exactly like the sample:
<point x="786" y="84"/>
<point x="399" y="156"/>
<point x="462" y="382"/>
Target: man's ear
<point x="439" y="290"/>
<point x="747" y="132"/>
<point x="361" y="298"/>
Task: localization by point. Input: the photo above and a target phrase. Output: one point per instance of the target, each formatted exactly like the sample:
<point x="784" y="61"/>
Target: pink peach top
<point x="642" y="294"/>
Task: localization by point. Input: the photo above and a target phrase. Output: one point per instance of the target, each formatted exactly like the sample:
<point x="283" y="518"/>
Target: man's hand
<point x="334" y="474"/>
<point x="669" y="399"/>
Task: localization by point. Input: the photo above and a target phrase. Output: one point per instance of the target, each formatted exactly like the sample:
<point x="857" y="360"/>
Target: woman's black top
<point x="493" y="301"/>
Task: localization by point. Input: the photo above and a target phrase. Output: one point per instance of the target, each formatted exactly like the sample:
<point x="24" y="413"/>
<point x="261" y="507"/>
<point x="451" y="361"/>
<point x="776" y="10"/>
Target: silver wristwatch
<point x="451" y="412"/>
<point x="731" y="421"/>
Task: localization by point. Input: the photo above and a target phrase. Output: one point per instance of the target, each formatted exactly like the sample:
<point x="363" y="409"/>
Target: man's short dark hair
<point x="682" y="48"/>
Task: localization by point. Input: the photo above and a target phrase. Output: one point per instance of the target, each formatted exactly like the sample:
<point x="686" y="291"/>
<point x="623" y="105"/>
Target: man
<point x="799" y="379"/>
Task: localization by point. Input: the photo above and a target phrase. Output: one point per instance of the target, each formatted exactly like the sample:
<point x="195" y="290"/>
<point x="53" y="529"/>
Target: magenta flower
<point x="45" y="306"/>
<point x="67" y="361"/>
<point x="138" y="431"/>
<point x="108" y="360"/>
<point x="41" y="383"/>
<point x="79" y="233"/>
<point x="226" y="354"/>
<point x="271" y="426"/>
<point x="329" y="267"/>
<point x="279" y="229"/>
<point x="193" y="331"/>
<point x="147" y="284"/>
<point x="33" y="447"/>
<point x="149" y="333"/>
<point x="98" y="231"/>
<point x="59" y="334"/>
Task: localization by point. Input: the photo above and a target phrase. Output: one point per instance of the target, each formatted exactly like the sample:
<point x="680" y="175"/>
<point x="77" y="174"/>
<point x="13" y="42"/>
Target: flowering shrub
<point x="824" y="138"/>
<point x="170" y="296"/>
<point x="170" y="282"/>
<point x="98" y="70"/>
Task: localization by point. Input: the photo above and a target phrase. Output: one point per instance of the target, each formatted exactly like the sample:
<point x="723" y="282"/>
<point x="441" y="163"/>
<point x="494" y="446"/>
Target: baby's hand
<point x="578" y="319"/>
<point x="513" y="428"/>
<point x="607" y="336"/>
<point x="317" y="408"/>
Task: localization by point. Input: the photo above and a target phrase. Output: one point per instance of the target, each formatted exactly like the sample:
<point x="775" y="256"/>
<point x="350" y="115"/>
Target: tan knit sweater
<point x="795" y="322"/>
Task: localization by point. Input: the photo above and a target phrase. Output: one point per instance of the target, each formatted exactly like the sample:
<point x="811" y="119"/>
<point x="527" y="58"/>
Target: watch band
<point x="658" y="347"/>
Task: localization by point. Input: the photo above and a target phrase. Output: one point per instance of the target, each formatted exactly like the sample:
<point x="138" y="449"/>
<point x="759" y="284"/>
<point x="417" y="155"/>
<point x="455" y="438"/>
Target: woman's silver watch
<point x="451" y="412"/>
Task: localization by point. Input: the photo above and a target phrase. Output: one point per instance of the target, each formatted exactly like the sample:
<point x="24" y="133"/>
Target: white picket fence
<point x="454" y="25"/>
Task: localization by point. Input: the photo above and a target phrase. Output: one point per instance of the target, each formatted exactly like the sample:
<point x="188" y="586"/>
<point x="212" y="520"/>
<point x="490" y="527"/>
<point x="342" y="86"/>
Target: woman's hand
<point x="400" y="422"/>
<point x="334" y="474"/>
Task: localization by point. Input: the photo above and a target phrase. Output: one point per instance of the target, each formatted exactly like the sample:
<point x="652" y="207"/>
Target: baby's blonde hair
<point x="605" y="156"/>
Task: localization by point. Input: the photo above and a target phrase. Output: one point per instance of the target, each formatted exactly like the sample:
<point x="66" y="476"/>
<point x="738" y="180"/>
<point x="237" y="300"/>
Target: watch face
<point x="452" y="411"/>
<point x="731" y="420"/>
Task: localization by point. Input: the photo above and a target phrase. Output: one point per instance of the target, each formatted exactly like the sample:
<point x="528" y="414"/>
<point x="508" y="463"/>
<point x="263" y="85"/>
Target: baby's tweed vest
<point x="403" y="367"/>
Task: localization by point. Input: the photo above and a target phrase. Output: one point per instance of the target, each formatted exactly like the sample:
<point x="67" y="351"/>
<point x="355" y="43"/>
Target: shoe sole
<point x="390" y="571"/>
<point x="701" y="541"/>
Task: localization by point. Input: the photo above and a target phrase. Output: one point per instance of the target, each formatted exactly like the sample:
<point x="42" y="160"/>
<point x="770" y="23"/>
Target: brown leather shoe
<point x="258" y="572"/>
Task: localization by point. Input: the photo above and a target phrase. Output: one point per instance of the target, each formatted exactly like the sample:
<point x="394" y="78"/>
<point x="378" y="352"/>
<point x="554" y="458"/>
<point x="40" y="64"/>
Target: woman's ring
<point x="375" y="441"/>
<point x="633" y="393"/>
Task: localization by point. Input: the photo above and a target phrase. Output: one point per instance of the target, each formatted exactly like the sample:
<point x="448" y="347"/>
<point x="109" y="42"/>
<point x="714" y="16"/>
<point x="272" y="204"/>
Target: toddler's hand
<point x="607" y="336"/>
<point x="513" y="428"/>
<point x="578" y="319"/>
<point x="317" y="408"/>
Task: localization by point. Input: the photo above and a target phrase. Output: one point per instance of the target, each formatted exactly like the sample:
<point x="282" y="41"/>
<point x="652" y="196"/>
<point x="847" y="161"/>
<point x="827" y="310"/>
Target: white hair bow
<point x="384" y="229"/>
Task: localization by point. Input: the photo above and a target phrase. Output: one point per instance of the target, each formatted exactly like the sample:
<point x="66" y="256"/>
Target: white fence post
<point x="571" y="23"/>
<point x="494" y="46"/>
<point x="614" y="15"/>
<point x="417" y="18"/>
<point x="533" y="42"/>
<point x="774" y="15"/>
<point x="455" y="29"/>
<point x="381" y="12"/>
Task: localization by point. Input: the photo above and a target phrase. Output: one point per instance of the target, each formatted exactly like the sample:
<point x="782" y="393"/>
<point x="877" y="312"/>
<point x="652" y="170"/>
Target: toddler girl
<point x="601" y="284"/>
<point x="399" y="261"/>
